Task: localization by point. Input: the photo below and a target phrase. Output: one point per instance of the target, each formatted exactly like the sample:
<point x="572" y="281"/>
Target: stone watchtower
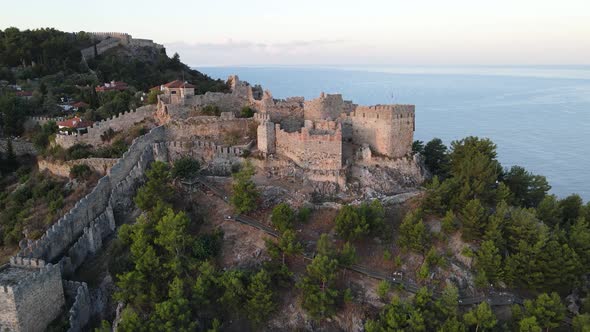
<point x="31" y="295"/>
<point x="266" y="136"/>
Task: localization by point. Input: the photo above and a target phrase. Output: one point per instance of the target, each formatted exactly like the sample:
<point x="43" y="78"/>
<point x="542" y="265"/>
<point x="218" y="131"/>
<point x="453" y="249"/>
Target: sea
<point x="539" y="117"/>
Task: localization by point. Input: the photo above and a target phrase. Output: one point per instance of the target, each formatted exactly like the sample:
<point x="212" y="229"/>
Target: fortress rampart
<point x="117" y="122"/>
<point x="31" y="294"/>
<point x="109" y="40"/>
<point x="79" y="313"/>
<point x="388" y="129"/>
<point x="311" y="148"/>
<point x="326" y="107"/>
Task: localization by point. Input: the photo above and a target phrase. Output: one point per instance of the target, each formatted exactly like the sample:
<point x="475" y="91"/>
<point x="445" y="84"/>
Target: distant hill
<point x="36" y="53"/>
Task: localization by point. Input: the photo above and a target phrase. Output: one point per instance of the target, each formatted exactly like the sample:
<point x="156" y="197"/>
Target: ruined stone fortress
<point x="105" y="41"/>
<point x="326" y="142"/>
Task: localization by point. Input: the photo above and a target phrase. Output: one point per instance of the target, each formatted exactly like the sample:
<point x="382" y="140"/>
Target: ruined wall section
<point x="117" y="122"/>
<point x="265" y="134"/>
<point x="37" y="299"/>
<point x="99" y="165"/>
<point x="387" y="129"/>
<point x="326" y="107"/>
<point x="19" y="147"/>
<point x="311" y="149"/>
<point x="80" y="312"/>
<point x="209" y="128"/>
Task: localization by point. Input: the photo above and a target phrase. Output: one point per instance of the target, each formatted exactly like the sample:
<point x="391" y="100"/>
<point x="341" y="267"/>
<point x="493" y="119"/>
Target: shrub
<point x="80" y="172"/>
<point x="211" y="110"/>
<point x="246" y="112"/>
<point x="185" y="167"/>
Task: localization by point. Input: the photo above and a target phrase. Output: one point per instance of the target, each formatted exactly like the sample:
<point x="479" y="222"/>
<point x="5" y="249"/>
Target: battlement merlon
<point x="385" y="112"/>
<point x="26" y="262"/>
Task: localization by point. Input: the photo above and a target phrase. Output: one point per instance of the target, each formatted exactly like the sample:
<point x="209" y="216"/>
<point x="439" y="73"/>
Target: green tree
<point x="581" y="323"/>
<point x="527" y="189"/>
<point x="548" y="310"/>
<point x="245" y="193"/>
<point x="260" y="302"/>
<point x="475" y="167"/>
<point x="130" y="321"/>
<point x="481" y="317"/>
<point x="448" y="303"/>
<point x="474" y="218"/>
<point x="383" y="288"/>
<point x="282" y="217"/>
<point x="449" y="222"/>
<point x="436" y="158"/>
<point x="234" y="290"/>
<point x="288" y="244"/>
<point x="529" y="324"/>
<point x="549" y="211"/>
<point x="324" y="246"/>
<point x="347" y="255"/>
<point x="571" y="208"/>
<point x="175" y="314"/>
<point x="580" y="240"/>
<point x="488" y="261"/>
<point x="157" y="187"/>
<point x="413" y="234"/>
<point x="318" y="295"/>
<point x="185" y="167"/>
<point x="349" y="224"/>
<point x="418" y="147"/>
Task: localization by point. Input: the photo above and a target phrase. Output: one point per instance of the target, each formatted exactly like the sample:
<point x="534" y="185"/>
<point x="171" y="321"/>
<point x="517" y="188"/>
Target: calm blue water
<point x="538" y="117"/>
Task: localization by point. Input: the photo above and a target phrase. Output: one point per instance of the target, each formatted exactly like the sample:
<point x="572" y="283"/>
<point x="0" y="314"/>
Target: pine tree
<point x="412" y="233"/>
<point x="481" y="317"/>
<point x="349" y="224"/>
<point x="473" y="218"/>
<point x="489" y="261"/>
<point x="260" y="302"/>
<point x="282" y="217"/>
<point x="548" y="310"/>
<point x="319" y="296"/>
<point x="245" y="193"/>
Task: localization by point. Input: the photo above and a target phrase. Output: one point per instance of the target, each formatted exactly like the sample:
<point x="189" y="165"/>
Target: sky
<point x="327" y="32"/>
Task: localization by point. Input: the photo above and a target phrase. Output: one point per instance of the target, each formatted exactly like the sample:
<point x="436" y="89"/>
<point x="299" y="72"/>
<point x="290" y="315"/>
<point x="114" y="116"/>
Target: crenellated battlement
<point x="384" y="112"/>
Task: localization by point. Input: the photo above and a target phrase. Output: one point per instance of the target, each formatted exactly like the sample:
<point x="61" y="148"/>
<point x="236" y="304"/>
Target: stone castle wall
<point x="35" y="301"/>
<point x="117" y="122"/>
<point x="93" y="215"/>
<point x="388" y="129"/>
<point x="19" y="147"/>
<point x="80" y="312"/>
<point x="209" y="128"/>
<point x="214" y="158"/>
<point x="99" y="165"/>
<point x="32" y="121"/>
<point x="326" y="107"/>
<point x="308" y="150"/>
<point x="109" y="40"/>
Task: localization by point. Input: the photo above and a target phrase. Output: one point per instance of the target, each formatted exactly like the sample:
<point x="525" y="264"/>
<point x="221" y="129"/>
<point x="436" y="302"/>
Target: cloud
<point x="240" y="52"/>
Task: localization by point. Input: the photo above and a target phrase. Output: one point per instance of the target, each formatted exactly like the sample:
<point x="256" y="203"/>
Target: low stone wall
<point x="32" y="121"/>
<point x="215" y="158"/>
<point x="99" y="165"/>
<point x="19" y="147"/>
<point x="118" y="122"/>
<point x="80" y="312"/>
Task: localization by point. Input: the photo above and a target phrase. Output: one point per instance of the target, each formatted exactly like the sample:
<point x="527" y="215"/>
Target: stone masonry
<point x="31" y="295"/>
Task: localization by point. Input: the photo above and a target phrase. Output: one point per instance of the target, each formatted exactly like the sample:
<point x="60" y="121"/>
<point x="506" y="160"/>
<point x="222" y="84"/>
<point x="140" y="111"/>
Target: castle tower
<point x="31" y="295"/>
<point x="265" y="134"/>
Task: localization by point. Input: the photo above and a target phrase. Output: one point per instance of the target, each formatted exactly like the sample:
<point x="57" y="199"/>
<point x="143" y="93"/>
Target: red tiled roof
<point x="178" y="84"/>
<point x="24" y="93"/>
<point x="80" y="104"/>
<point x="111" y="86"/>
<point x="74" y="122"/>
